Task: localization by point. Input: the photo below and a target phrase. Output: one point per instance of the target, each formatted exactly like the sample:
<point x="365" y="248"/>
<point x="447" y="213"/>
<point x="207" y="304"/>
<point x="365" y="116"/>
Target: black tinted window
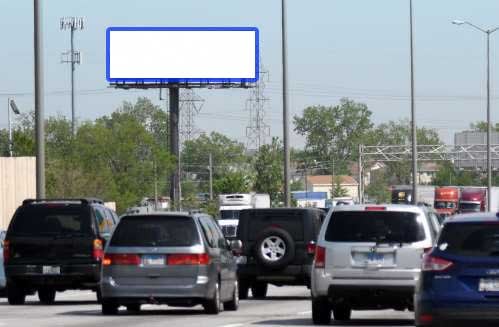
<point x="289" y="220"/>
<point x="374" y="226"/>
<point x="52" y="219"/>
<point x="155" y="231"/>
<point x="470" y="207"/>
<point x="470" y="239"/>
<point x="229" y="214"/>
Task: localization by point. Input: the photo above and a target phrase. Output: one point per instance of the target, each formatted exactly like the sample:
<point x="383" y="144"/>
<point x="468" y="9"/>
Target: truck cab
<point x="446" y="200"/>
<point x="473" y="200"/>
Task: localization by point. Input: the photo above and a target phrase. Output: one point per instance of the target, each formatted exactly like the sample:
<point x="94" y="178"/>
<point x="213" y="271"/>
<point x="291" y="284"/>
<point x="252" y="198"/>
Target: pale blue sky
<point x="337" y="48"/>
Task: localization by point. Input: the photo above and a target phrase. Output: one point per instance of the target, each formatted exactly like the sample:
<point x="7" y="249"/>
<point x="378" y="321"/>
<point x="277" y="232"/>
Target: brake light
<point x="120" y="259"/>
<point x="320" y="257"/>
<point x="431" y="263"/>
<point x="98" y="250"/>
<point x="188" y="259"/>
<point x="426" y="318"/>
<point x="6" y="251"/>
<point x="375" y="208"/>
<point x="311" y="247"/>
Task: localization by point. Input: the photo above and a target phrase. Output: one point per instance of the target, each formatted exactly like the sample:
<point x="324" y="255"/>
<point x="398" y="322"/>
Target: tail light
<point x="6" y="251"/>
<point x="311" y="247"/>
<point x="431" y="263"/>
<point x="320" y="257"/>
<point x="98" y="250"/>
<point x="119" y="259"/>
<point x="188" y="259"/>
<point x="375" y="208"/>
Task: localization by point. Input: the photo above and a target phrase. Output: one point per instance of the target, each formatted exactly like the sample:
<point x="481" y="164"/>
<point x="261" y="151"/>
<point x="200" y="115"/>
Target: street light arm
<point x="476" y="27"/>
<point x="494" y="30"/>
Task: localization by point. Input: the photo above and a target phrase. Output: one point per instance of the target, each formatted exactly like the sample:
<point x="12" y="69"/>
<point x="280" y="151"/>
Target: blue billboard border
<point x="184" y="80"/>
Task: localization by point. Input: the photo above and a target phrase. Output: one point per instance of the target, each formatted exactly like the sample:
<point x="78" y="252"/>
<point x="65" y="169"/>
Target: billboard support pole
<point x="174" y="146"/>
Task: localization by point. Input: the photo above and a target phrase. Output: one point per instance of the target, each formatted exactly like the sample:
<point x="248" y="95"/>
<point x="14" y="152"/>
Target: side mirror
<point x="236" y="246"/>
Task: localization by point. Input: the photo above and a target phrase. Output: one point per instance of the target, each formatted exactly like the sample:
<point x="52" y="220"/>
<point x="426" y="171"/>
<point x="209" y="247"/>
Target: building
<point x="324" y="183"/>
<point x="475" y="142"/>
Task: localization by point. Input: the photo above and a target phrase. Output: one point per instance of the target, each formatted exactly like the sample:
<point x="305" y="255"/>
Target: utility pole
<point x="211" y="176"/>
<point x="285" y="112"/>
<point x="11" y="105"/>
<point x="413" y="115"/>
<point x="174" y="146"/>
<point x="72" y="57"/>
<point x="39" y="101"/>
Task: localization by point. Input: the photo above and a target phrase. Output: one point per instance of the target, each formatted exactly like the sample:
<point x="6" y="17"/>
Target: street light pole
<point x="488" y="33"/>
<point x="39" y="101"/>
<point x="285" y="112"/>
<point x="413" y="115"/>
<point x="10" y="127"/>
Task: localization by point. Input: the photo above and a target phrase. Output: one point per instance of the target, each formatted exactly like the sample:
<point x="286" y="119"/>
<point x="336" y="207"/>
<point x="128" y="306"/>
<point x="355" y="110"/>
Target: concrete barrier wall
<point x="17" y="182"/>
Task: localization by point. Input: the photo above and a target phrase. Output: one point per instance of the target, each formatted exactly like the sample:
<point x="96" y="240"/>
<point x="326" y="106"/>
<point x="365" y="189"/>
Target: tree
<point x="268" y="168"/>
<point x="232" y="182"/>
<point x="338" y="190"/>
<point x="481" y="126"/>
<point x="334" y="132"/>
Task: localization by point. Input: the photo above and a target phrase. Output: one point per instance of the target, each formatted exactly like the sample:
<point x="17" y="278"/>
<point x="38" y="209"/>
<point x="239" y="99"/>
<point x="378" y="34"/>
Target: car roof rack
<point x="81" y="200"/>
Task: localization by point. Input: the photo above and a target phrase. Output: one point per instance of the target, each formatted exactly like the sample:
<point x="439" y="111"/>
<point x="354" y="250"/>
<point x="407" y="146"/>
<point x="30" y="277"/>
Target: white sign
<point x="170" y="54"/>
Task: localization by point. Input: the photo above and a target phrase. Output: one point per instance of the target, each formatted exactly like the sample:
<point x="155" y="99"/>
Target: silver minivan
<point x="369" y="257"/>
<point x="176" y="259"/>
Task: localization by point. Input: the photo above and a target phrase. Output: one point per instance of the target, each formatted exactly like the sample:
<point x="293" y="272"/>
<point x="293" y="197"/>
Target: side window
<point x="432" y="224"/>
<point x="104" y="223"/>
<point x="208" y="234"/>
<point x="217" y="231"/>
<point x="110" y="217"/>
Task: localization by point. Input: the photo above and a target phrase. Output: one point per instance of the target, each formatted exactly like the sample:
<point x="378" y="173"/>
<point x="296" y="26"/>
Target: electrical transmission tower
<point x="190" y="105"/>
<point x="257" y="131"/>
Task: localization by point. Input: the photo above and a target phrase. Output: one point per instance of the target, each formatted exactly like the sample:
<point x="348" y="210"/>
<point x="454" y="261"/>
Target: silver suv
<point x="369" y="257"/>
<point x="176" y="259"/>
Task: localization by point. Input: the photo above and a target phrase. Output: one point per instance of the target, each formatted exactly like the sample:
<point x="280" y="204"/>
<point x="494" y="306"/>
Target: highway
<point x="285" y="306"/>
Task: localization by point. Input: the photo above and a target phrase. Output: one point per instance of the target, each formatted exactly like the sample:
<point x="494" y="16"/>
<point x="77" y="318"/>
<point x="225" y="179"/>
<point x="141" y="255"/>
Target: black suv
<point x="56" y="245"/>
<point x="278" y="247"/>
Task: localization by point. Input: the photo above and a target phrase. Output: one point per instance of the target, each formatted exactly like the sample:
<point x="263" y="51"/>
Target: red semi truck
<point x="446" y="200"/>
<point x="473" y="199"/>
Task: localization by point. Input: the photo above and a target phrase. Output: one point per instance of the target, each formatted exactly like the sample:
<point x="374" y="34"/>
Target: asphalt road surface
<point x="285" y="306"/>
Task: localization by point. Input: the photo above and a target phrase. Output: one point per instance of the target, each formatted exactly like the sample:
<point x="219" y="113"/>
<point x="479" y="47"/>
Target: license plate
<point x="51" y="270"/>
<point x="374" y="258"/>
<point x="489" y="285"/>
<point x="153" y="260"/>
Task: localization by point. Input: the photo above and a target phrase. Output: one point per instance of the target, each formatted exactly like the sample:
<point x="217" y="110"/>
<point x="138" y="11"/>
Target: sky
<point x="336" y="48"/>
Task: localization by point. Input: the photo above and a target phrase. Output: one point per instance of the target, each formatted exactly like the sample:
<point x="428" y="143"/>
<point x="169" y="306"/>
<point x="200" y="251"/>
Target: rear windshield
<point x="375" y="226"/>
<point x="155" y="231"/>
<point x="289" y="220"/>
<point x="470" y="239"/>
<point x="52" y="219"/>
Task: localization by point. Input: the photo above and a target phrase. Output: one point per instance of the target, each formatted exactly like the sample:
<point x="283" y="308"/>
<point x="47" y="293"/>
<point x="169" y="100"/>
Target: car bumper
<point x="445" y="312"/>
<point x="82" y="276"/>
<point x="290" y="275"/>
<point x="156" y="293"/>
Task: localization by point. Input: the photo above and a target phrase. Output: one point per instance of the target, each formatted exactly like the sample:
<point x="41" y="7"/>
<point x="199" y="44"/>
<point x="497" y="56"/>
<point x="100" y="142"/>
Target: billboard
<point x="182" y="54"/>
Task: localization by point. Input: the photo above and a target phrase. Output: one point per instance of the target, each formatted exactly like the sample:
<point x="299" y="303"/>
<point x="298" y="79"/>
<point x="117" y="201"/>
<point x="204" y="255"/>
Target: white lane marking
<point x="232" y="325"/>
<point x="304" y="313"/>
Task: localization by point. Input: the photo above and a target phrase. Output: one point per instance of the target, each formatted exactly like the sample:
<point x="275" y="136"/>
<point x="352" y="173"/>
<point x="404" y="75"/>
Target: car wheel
<point x="213" y="306"/>
<point x="259" y="290"/>
<point x="109" y="308"/>
<point x="15" y="294"/>
<point x="274" y="248"/>
<point x="133" y="308"/>
<point x="342" y="312"/>
<point x="321" y="311"/>
<point x="243" y="289"/>
<point x="46" y="295"/>
<point x="233" y="304"/>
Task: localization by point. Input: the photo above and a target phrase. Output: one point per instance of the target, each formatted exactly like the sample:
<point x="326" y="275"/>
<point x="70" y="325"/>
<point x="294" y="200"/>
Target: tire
<point x="342" y="312"/>
<point x="133" y="308"/>
<point x="233" y="304"/>
<point x="109" y="308"/>
<point x="321" y="311"/>
<point x="98" y="294"/>
<point x="274" y="248"/>
<point x="213" y="306"/>
<point x="15" y="294"/>
<point x="243" y="289"/>
<point x="46" y="295"/>
<point x="259" y="290"/>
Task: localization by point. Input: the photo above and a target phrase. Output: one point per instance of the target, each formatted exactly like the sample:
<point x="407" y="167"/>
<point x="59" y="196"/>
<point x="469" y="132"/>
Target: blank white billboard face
<point x="182" y="54"/>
